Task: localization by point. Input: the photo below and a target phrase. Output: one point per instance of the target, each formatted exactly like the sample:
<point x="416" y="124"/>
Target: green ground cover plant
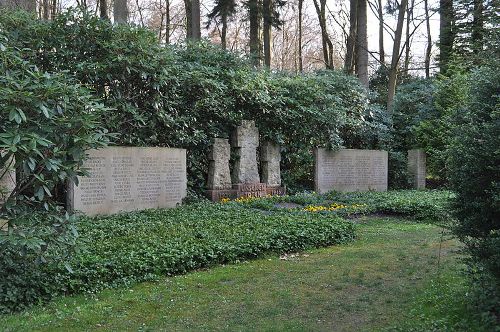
<point x="380" y="280"/>
<point x="127" y="248"/>
<point x="429" y="205"/>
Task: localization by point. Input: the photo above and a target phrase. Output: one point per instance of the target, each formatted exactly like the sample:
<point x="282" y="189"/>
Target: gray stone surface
<point x="7" y="181"/>
<point x="417" y="168"/>
<point x="245" y="140"/>
<point x="219" y="176"/>
<point x="270" y="157"/>
<point x="350" y="170"/>
<point x="130" y="178"/>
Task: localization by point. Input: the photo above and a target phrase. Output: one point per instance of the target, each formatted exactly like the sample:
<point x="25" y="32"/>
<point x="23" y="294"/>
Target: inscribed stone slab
<point x="350" y="170"/>
<point x="416" y="168"/>
<point x="7" y="181"/>
<point x="130" y="178"/>
<point x="246" y="140"/>
<point x="219" y="176"/>
<point x="270" y="158"/>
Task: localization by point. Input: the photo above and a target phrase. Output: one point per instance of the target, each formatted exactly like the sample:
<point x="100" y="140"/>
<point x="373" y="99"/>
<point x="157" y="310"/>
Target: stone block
<point x="350" y="170"/>
<point x="130" y="178"/>
<point x="417" y="168"/>
<point x="245" y="139"/>
<point x="270" y="157"/>
<point x="219" y="176"/>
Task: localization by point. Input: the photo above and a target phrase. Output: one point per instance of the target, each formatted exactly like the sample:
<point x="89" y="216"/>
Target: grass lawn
<point x="375" y="282"/>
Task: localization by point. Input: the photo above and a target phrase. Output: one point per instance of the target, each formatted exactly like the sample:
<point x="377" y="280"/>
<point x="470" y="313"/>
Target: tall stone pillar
<point x="219" y="176"/>
<point x="246" y="180"/>
<point x="417" y="168"/>
<point x="270" y="157"/>
<point x="246" y="140"/>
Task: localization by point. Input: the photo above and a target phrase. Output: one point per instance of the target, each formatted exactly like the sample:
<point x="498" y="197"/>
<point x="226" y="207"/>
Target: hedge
<point x="122" y="249"/>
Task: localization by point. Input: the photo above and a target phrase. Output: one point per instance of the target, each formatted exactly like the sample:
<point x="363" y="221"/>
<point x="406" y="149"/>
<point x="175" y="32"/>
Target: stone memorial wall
<point x="417" y="168"/>
<point x="350" y="170"/>
<point x="7" y="181"/>
<point x="130" y="178"/>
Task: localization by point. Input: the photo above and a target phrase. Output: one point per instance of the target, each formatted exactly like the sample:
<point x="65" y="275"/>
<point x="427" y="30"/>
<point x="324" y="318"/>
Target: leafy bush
<point x="47" y="122"/>
<point x="475" y="172"/>
<point x="184" y="95"/>
<point x="127" y="248"/>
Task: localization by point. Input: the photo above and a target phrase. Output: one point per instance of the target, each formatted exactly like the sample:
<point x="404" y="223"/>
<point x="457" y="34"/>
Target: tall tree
<point x="189" y="18"/>
<point x="446" y="35"/>
<point x="300" y="58"/>
<point x="167" y="22"/>
<point x="120" y="11"/>
<point x="103" y="9"/>
<point x="221" y="13"/>
<point x="393" y="70"/>
<point x="380" y="10"/>
<point x="362" y="43"/>
<point x="428" y="49"/>
<point x="409" y="18"/>
<point x="254" y="14"/>
<point x="325" y="38"/>
<point x="195" y="20"/>
<point x="267" y="13"/>
<point x="46" y="9"/>
<point x="477" y="26"/>
<point x="351" y="38"/>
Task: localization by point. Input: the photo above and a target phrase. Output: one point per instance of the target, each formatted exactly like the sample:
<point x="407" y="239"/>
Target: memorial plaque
<point x="416" y="168"/>
<point x="219" y="176"/>
<point x="350" y="170"/>
<point x="246" y="140"/>
<point x="250" y="189"/>
<point x="7" y="180"/>
<point x="130" y="178"/>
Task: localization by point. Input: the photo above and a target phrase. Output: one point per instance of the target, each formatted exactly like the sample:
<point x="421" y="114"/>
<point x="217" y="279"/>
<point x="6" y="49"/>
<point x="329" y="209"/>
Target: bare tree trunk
<point x="189" y="18"/>
<point x="195" y="20"/>
<point x="393" y="72"/>
<point x="254" y="16"/>
<point x="429" y="40"/>
<point x="160" y="30"/>
<point x="362" y="44"/>
<point x="351" y="39"/>
<point x="120" y="11"/>
<point x="409" y="17"/>
<point x="381" y="32"/>
<point x="54" y="9"/>
<point x="266" y="15"/>
<point x="325" y="39"/>
<point x="46" y="9"/>
<point x="223" y="37"/>
<point x="103" y="9"/>
<point x="301" y="68"/>
<point x="167" y="22"/>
